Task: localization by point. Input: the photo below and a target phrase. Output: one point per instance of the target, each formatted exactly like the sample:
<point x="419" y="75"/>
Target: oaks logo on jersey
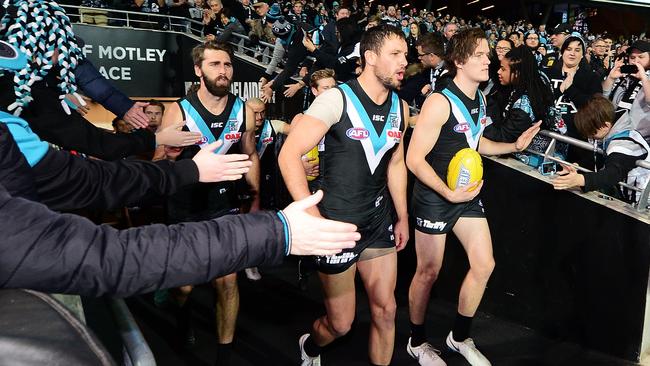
<point x="396" y="135"/>
<point x="233" y="136"/>
<point x="267" y="140"/>
<point x="461" y="128"/>
<point x="357" y="133"/>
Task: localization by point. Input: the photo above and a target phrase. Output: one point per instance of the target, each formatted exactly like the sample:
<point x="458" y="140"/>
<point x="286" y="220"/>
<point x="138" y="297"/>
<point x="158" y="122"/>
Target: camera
<point x="629" y="69"/>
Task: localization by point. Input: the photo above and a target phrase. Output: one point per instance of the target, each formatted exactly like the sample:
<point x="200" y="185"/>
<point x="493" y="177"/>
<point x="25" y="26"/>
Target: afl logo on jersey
<point x="234" y="137"/>
<point x="357" y="133"/>
<point x="203" y="140"/>
<point x="461" y="128"/>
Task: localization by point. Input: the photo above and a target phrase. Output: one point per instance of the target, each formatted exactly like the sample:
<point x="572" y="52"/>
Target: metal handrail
<point x="136" y="350"/>
<point x="549" y="155"/>
<point x="182" y="21"/>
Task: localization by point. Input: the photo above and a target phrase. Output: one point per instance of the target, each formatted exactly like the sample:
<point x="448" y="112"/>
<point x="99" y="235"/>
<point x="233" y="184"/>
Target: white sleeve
<point x="327" y="107"/>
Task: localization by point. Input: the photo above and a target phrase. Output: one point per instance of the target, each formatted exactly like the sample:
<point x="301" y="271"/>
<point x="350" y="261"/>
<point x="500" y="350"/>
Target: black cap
<point x="562" y="28"/>
<point x="643" y="46"/>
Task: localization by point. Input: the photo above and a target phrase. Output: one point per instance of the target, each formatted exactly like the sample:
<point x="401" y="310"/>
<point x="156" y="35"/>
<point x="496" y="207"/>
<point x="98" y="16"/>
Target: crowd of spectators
<point x="536" y="72"/>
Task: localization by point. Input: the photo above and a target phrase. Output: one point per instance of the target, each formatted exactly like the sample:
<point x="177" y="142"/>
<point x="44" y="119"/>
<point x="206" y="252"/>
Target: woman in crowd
<point x="411" y="40"/>
<point x="574" y="83"/>
<point x="528" y="98"/>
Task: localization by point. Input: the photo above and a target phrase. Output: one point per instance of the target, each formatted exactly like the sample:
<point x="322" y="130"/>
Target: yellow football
<point x="312" y="154"/>
<point x="466" y="167"/>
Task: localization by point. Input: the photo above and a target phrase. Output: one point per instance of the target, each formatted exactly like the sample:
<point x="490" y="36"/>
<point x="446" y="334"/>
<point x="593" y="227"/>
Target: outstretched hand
<point x="136" y="117"/>
<point x="527" y="136"/>
<point x="174" y="136"/>
<point x="312" y="235"/>
<point x="218" y="168"/>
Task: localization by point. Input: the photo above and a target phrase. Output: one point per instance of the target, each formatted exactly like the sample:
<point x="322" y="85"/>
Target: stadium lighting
<point x="488" y="7"/>
<point x="472" y="2"/>
<point x="406" y="5"/>
<point x="443" y="8"/>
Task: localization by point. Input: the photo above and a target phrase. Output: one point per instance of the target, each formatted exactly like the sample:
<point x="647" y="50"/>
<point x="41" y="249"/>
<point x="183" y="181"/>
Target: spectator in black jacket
<point x="573" y="83"/>
<point x="62" y="253"/>
<point x="528" y="97"/>
<point x="433" y="77"/>
<point x="344" y="61"/>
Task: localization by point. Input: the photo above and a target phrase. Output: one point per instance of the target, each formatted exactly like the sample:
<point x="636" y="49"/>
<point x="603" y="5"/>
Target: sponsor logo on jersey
<point x="474" y="111"/>
<point x="340" y="258"/>
<point x="438" y="225"/>
<point x="378" y="118"/>
<point x="461" y="128"/>
<point x="395" y="135"/>
<point x="267" y="140"/>
<point x="378" y="201"/>
<point x="216" y="125"/>
<point x="484" y="121"/>
<point x="234" y="136"/>
<point x="357" y="133"/>
<point x="203" y="140"/>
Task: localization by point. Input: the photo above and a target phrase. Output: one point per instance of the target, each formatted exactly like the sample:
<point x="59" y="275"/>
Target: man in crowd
<point x="558" y="35"/>
<point x="430" y="48"/>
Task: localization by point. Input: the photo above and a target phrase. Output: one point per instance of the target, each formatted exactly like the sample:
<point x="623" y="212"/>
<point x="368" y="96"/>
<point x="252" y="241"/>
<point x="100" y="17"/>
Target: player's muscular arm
<point x="248" y="147"/>
<point x="432" y="117"/>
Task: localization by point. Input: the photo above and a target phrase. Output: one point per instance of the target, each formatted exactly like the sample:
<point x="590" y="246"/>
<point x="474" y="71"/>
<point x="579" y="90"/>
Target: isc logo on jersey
<point x="357" y="133"/>
<point x="233" y="136"/>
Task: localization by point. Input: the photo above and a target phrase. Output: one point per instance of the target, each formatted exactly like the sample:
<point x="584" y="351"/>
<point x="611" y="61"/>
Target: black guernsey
<point x="355" y="157"/>
<point x="206" y="200"/>
<point x="463" y="129"/>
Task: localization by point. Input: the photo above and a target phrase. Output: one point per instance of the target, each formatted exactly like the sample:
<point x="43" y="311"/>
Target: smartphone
<point x="629" y="69"/>
<point x="548" y="168"/>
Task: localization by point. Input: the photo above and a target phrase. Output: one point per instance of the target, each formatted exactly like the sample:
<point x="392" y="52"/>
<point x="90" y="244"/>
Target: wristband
<point x="287" y="232"/>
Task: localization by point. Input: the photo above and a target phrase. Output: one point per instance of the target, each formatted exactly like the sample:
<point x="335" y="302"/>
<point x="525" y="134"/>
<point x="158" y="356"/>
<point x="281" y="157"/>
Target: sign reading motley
<point x="141" y="63"/>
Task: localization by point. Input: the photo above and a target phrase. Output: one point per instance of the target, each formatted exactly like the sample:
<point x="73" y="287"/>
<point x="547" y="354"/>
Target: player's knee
<point x="340" y="326"/>
<point x="428" y="274"/>
<point x="226" y="285"/>
<point x="483" y="269"/>
<point x="384" y="313"/>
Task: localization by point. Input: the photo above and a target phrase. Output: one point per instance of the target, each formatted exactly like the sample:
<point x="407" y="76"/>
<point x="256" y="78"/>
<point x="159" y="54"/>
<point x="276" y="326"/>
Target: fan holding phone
<point x="628" y="87"/>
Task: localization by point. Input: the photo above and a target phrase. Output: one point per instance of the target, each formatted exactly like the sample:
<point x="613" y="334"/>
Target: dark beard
<point x="388" y="83"/>
<point x="214" y="89"/>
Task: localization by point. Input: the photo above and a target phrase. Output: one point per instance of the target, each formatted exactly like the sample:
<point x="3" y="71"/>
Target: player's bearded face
<point x="391" y="62"/>
<point x="217" y="86"/>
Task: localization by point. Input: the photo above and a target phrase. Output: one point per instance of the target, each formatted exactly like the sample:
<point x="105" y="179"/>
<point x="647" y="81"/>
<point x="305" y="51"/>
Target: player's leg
<point x="429" y="250"/>
<point x="474" y="235"/>
<point x="379" y="276"/>
<point x="227" y="308"/>
<point x="340" y="303"/>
